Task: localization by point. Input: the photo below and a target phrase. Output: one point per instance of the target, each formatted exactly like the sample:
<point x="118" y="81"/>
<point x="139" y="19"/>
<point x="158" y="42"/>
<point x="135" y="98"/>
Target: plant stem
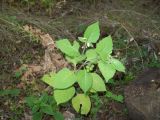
<point x="84" y="49"/>
<point x="85" y="63"/>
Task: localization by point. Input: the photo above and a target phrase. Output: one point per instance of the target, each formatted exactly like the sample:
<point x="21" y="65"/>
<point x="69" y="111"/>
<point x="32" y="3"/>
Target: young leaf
<point x="64" y="79"/>
<point x="118" y="65"/>
<point x="65" y="46"/>
<point x="48" y="79"/>
<point x="107" y="70"/>
<point x="47" y="109"/>
<point x="81" y="103"/>
<point x="91" y="55"/>
<point x="104" y="47"/>
<point x="98" y="83"/>
<point x="35" y="108"/>
<point x="62" y="96"/>
<point x="92" y="33"/>
<point x="37" y="116"/>
<point x="76" y="60"/>
<point x="82" y="39"/>
<point x="84" y="80"/>
<point x="58" y="116"/>
<point x="44" y="98"/>
<point x="30" y="101"/>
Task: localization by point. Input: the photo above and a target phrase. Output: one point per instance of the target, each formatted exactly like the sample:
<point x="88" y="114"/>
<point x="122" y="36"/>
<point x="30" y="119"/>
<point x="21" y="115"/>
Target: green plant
<point x="18" y="73"/>
<point x="118" y="98"/>
<point x="12" y="92"/>
<point x="96" y="105"/>
<point x="43" y="105"/>
<point x="48" y="4"/>
<point x="92" y="67"/>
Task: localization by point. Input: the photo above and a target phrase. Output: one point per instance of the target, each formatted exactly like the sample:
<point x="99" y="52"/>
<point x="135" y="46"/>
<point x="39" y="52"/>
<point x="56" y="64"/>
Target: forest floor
<point x="134" y="26"/>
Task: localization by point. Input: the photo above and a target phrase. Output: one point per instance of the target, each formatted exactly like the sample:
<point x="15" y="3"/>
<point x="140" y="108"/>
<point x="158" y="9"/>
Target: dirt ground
<point x="133" y="24"/>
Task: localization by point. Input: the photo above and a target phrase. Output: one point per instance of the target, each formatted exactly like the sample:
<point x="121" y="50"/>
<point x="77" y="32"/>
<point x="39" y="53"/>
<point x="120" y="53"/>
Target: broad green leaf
<point x="35" y="108"/>
<point x="65" y="46"/>
<point x="80" y="58"/>
<point x="118" y="65"/>
<point x="76" y="45"/>
<point x="62" y="96"/>
<point x="52" y="101"/>
<point x="92" y="33"/>
<point x="104" y="47"/>
<point x="106" y="69"/>
<point x="44" y="98"/>
<point x="47" y="109"/>
<point x="91" y="55"/>
<point x="58" y="116"/>
<point x="98" y="84"/>
<point x="76" y="60"/>
<point x="81" y="103"/>
<point x="48" y="79"/>
<point x="84" y="80"/>
<point x="64" y="79"/>
<point x="37" y="116"/>
<point x="30" y="101"/>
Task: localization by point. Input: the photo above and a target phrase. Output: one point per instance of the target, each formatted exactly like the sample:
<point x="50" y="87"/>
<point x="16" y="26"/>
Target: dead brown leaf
<point x="52" y="61"/>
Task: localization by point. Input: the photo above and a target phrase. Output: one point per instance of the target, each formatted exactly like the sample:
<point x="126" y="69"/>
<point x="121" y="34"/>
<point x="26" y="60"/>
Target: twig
<point x="85" y="63"/>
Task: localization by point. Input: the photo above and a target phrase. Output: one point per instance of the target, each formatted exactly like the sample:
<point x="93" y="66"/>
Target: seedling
<point x="92" y="68"/>
<point x="43" y="105"/>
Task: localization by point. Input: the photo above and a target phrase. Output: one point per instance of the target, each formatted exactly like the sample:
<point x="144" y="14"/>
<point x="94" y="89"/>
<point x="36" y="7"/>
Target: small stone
<point x="68" y="115"/>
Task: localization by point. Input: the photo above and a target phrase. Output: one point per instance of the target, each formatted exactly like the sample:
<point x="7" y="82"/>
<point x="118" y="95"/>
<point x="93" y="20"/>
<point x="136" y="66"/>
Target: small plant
<point x="48" y="4"/>
<point x="18" y="73"/>
<point x="43" y="105"/>
<point x="92" y="68"/>
<point x="96" y="105"/>
<point x="112" y="96"/>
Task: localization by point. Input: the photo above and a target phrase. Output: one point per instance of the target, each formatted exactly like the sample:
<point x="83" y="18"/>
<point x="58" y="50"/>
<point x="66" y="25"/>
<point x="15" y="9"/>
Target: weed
<point x="43" y="105"/>
<point x="92" y="67"/>
<point x="96" y="105"/>
<point x="112" y="96"/>
<point x="20" y="72"/>
<point x="46" y="4"/>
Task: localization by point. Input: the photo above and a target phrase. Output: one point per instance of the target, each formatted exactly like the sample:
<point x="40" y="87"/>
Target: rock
<point x="68" y="115"/>
<point x="142" y="96"/>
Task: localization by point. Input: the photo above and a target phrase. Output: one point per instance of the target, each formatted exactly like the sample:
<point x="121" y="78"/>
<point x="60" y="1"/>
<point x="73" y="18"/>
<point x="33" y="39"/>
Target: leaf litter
<point x="52" y="60"/>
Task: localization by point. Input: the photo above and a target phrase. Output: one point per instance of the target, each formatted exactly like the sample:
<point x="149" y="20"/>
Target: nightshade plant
<point x="92" y="68"/>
